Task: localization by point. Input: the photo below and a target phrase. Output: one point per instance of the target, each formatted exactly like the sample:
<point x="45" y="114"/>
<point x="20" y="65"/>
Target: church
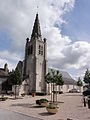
<point x="34" y="67"/>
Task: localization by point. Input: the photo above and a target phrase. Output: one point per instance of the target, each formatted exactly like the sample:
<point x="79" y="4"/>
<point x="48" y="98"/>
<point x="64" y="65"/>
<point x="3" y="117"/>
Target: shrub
<point x="23" y="94"/>
<point x="38" y="102"/>
<point x="52" y="106"/>
<point x="3" y="98"/>
<point x="41" y="101"/>
<point x="60" y="92"/>
<point x="40" y="93"/>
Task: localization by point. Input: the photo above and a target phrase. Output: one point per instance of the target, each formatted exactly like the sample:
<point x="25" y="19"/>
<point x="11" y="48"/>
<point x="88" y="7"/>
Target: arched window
<point x="31" y="49"/>
<point x="40" y="50"/>
<point x="28" y="52"/>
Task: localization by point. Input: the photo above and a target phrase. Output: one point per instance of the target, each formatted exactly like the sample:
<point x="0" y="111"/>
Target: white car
<point x="74" y="91"/>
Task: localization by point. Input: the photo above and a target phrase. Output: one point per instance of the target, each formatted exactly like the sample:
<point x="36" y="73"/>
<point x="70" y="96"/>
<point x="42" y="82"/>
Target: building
<point x="35" y="62"/>
<point x="69" y="82"/>
<point x="3" y="75"/>
<point x="34" y="66"/>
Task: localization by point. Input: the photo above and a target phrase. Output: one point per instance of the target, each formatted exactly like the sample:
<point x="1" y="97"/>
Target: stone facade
<point x="35" y="63"/>
<point x="3" y="75"/>
<point x="34" y="66"/>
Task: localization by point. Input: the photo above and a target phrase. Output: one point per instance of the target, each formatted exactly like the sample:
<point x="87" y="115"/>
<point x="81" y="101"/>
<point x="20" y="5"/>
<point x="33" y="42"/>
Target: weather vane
<point x="37" y="8"/>
<point x="36" y="1"/>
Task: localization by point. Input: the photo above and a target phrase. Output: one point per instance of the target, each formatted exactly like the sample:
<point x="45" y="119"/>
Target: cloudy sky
<point x="65" y="24"/>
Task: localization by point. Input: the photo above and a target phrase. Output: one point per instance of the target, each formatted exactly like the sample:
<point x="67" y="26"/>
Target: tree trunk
<point x="56" y="93"/>
<point x="59" y="88"/>
<point x="53" y="93"/>
<point x="15" y="91"/>
<point x="48" y="89"/>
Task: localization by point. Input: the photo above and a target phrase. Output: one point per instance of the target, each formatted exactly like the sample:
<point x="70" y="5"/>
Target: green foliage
<point x="38" y="102"/>
<point x="23" y="94"/>
<point x="59" y="79"/>
<point x="52" y="106"/>
<point x="48" y="78"/>
<point x="87" y="77"/>
<point x="40" y="93"/>
<point x="41" y="101"/>
<point x="53" y="77"/>
<point x="79" y="82"/>
<point x="15" y="77"/>
<point x="3" y="98"/>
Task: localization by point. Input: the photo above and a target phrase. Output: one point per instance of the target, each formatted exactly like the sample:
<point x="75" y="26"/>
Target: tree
<point x="87" y="77"/>
<point x="15" y="78"/>
<point x="60" y="80"/>
<point x="55" y="78"/>
<point x="48" y="80"/>
<point x="79" y="83"/>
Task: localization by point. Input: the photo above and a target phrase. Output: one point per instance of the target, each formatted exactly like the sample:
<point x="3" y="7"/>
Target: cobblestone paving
<point x="70" y="106"/>
<point x="9" y="115"/>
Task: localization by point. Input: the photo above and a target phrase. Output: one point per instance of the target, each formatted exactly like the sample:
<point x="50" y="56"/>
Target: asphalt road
<point x="9" y="115"/>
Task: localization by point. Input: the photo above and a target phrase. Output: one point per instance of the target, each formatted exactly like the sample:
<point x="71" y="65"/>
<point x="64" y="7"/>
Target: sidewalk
<point x="70" y="106"/>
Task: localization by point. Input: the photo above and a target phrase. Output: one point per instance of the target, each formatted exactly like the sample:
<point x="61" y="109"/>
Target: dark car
<point x="86" y="92"/>
<point x="74" y="91"/>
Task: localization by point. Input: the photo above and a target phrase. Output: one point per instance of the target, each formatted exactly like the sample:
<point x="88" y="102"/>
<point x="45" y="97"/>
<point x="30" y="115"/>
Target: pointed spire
<point x="36" y="32"/>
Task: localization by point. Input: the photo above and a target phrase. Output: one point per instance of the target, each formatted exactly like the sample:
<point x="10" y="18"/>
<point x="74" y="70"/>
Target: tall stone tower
<point x="35" y="63"/>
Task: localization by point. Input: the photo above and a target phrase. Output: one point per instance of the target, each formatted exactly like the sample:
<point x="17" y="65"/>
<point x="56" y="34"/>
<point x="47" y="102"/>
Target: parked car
<point x="74" y="91"/>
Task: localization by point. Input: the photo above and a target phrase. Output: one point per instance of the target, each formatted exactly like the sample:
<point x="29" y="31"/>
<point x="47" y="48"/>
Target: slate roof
<point x="36" y="28"/>
<point x="68" y="80"/>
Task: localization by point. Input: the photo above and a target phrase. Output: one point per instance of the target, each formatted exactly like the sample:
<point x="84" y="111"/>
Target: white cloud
<point x="17" y="17"/>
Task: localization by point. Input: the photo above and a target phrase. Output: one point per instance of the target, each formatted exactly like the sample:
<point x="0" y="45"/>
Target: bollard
<point x="89" y="102"/>
<point x="84" y="102"/>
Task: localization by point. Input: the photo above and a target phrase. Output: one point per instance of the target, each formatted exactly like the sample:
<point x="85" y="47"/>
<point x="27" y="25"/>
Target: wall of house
<point x="1" y="81"/>
<point x="64" y="88"/>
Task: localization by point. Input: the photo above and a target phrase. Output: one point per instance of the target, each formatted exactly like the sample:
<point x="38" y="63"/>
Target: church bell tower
<point x="35" y="63"/>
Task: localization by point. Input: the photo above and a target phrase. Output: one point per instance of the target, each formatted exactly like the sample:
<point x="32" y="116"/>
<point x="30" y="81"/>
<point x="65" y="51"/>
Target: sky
<point x="65" y="24"/>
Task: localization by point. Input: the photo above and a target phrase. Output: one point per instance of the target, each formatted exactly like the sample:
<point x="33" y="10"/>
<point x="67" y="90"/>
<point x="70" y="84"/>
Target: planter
<point x="52" y="110"/>
<point x="33" y="94"/>
<point x="23" y="94"/>
<point x="44" y="104"/>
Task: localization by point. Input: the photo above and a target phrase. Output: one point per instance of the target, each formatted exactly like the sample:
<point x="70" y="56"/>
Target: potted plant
<point x="33" y="93"/>
<point x="3" y="98"/>
<point x="23" y="94"/>
<point x="42" y="102"/>
<point x="52" y="108"/>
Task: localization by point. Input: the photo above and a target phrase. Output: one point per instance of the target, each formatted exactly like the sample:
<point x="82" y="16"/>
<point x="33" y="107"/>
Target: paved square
<point x="70" y="106"/>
